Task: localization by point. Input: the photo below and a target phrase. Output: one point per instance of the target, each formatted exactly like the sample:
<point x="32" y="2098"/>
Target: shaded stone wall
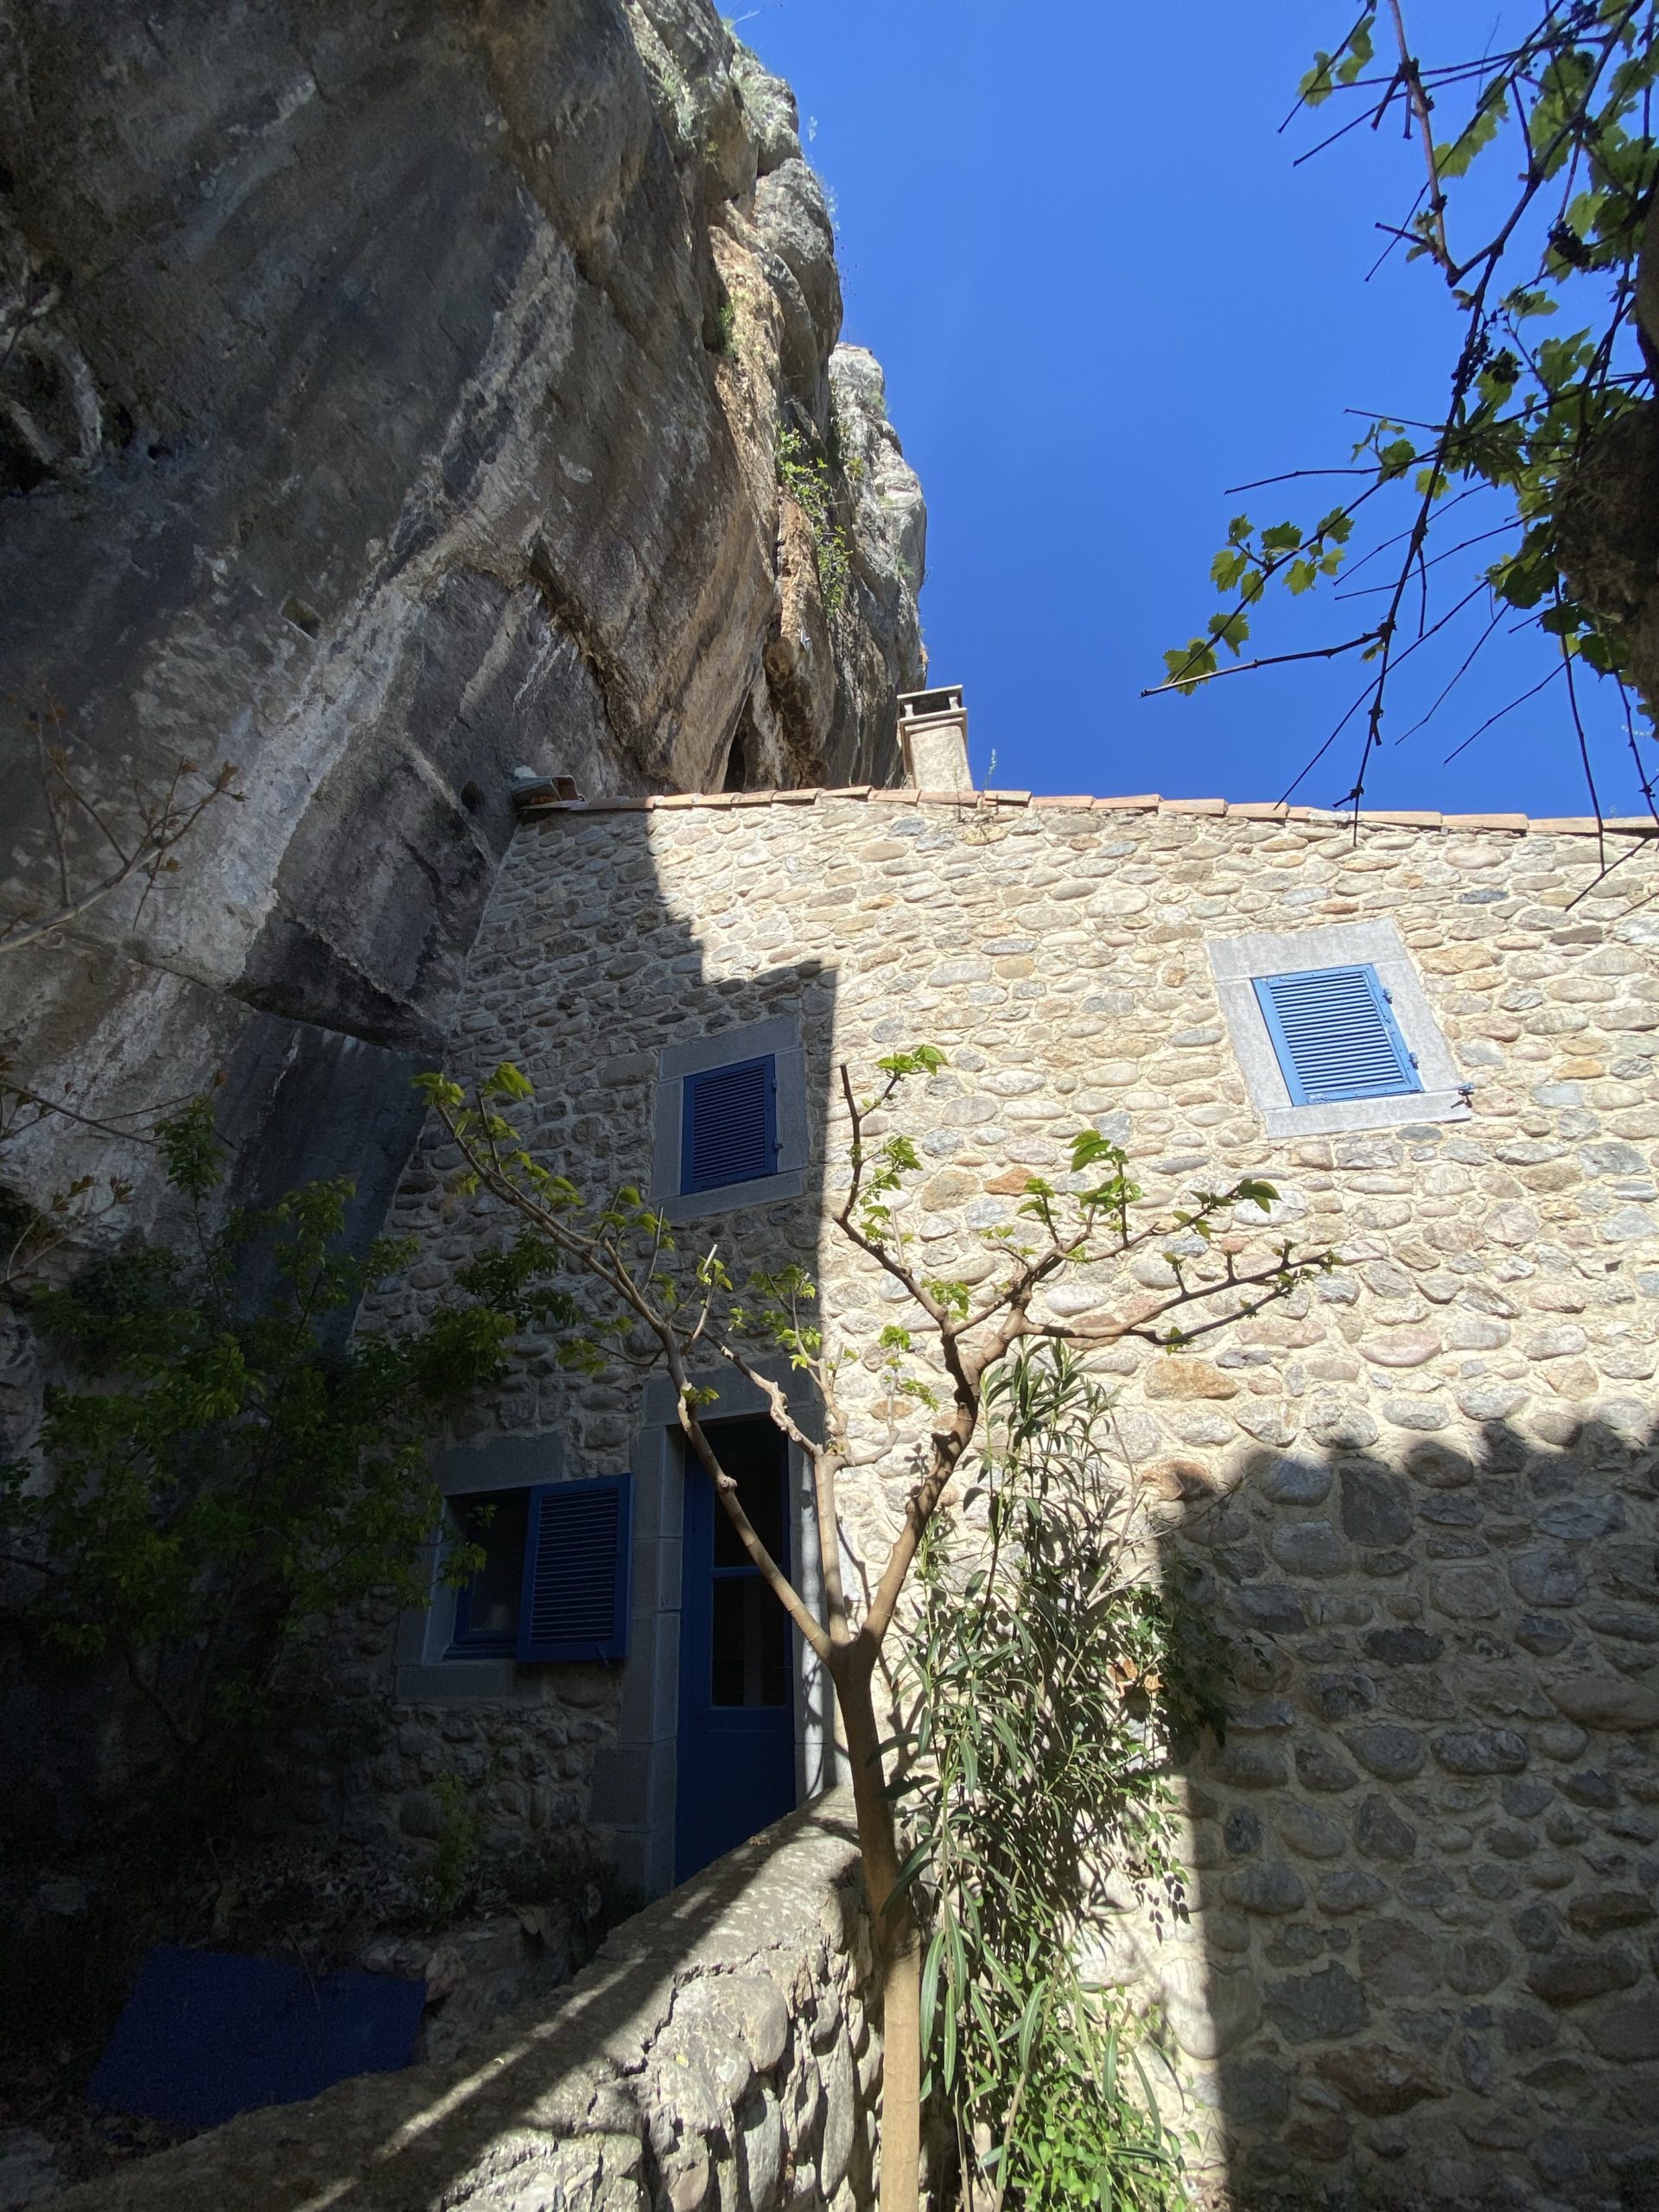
<point x="721" y="2051"/>
<point x="1419" y="1498"/>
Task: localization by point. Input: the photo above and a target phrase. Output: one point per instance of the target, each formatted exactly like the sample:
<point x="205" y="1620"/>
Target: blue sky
<point x="1102" y="295"/>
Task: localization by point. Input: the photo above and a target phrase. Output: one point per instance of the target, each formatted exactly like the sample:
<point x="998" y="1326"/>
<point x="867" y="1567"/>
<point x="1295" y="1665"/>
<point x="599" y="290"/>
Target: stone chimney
<point x="933" y="738"/>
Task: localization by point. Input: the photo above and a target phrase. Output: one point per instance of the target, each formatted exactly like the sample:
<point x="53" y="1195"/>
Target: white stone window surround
<point x="427" y="1674"/>
<point x="781" y="1036"/>
<point x="1235" y="963"/>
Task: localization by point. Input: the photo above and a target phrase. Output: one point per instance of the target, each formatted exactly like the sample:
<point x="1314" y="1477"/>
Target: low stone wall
<point x="719" y="2051"/>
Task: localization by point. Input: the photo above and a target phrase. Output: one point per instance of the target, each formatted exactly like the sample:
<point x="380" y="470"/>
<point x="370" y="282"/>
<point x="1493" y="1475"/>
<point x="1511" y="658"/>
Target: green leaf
<point x="1090" y="1148"/>
<point x="1186" y="665"/>
<point x="1453" y="160"/>
<point x="191" y="1148"/>
<point x="507" y="1081"/>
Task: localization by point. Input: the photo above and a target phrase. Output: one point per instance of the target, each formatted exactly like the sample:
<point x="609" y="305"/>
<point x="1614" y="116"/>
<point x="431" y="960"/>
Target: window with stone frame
<point x="730" y="1121"/>
<point x="1333" y="1031"/>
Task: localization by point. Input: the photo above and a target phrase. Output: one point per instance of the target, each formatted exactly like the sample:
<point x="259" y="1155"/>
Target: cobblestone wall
<point x="717" y="2052"/>
<point x="1421" y="1498"/>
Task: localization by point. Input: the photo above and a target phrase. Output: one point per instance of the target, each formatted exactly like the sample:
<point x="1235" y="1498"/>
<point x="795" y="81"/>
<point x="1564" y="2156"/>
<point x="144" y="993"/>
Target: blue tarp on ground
<point x="208" y="2034"/>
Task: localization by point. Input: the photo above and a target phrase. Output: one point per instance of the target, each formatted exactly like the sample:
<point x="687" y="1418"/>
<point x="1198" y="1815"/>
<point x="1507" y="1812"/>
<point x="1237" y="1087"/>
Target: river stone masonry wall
<point x="1420" y="1497"/>
<point x="719" y="2051"/>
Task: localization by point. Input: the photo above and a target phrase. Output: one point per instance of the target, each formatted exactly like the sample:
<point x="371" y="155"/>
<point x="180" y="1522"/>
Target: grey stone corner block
<point x="499" y="1463"/>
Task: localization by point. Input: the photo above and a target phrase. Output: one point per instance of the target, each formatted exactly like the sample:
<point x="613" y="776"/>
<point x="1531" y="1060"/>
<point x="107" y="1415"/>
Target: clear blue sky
<point x="1103" y="294"/>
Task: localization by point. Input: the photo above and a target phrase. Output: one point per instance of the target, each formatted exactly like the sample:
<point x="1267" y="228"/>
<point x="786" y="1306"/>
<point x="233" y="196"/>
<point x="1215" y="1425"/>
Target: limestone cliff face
<point x="389" y="396"/>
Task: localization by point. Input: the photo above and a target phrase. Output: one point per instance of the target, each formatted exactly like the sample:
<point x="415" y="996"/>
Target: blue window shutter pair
<point x="728" y="1129"/>
<point x="577" y="1550"/>
<point x="1334" y="1032"/>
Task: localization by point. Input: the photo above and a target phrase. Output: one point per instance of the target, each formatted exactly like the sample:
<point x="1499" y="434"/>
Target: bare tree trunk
<point x="898" y="1938"/>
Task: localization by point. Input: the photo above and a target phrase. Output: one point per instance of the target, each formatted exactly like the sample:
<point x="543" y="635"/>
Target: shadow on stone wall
<point x="86" y="1888"/>
<point x="1422" y="1958"/>
<point x="586" y="971"/>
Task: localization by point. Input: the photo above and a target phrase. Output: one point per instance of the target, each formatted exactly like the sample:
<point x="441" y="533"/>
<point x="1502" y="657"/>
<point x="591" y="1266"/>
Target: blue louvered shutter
<point x="1335" y="1037"/>
<point x="574" y="1602"/>
<point x="729" y="1126"/>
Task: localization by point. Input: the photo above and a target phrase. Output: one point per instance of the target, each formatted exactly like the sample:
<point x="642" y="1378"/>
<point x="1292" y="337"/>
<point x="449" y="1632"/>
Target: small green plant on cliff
<point x="841" y="461"/>
<point x="681" y="1314"/>
<point x="806" y="480"/>
<point x="227" y="1464"/>
<point x="1564" y="107"/>
<point x="1050" y="1677"/>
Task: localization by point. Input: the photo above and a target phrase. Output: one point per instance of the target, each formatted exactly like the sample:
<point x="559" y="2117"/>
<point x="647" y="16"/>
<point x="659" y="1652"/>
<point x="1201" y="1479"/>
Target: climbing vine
<point x="1549" y="353"/>
<point x="802" y="477"/>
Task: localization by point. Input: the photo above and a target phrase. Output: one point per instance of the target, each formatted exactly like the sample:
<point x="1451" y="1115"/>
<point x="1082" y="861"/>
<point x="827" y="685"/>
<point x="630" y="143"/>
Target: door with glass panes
<point x="736" y="1763"/>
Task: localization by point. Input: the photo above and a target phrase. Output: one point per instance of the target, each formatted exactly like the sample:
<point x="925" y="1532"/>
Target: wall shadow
<point x="630" y="999"/>
<point x="586" y="969"/>
<point x="1420" y="1964"/>
<point x="582" y="970"/>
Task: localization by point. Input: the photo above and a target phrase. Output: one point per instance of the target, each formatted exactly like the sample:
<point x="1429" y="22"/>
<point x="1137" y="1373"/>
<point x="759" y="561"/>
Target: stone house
<point x="1419" y="1495"/>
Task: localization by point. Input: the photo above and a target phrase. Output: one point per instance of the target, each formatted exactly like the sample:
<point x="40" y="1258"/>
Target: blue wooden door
<point x="736" y="1764"/>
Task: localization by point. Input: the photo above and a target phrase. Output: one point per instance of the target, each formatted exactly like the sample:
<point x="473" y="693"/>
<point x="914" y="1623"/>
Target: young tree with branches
<point x="681" y="1314"/>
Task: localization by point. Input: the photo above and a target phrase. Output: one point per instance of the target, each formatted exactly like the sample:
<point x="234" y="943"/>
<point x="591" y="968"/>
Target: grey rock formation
<point x="391" y="398"/>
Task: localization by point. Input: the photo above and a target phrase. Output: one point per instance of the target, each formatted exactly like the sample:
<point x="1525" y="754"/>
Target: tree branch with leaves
<point x="655" y="1306"/>
<point x="217" y="1470"/>
<point x="1570" y="101"/>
